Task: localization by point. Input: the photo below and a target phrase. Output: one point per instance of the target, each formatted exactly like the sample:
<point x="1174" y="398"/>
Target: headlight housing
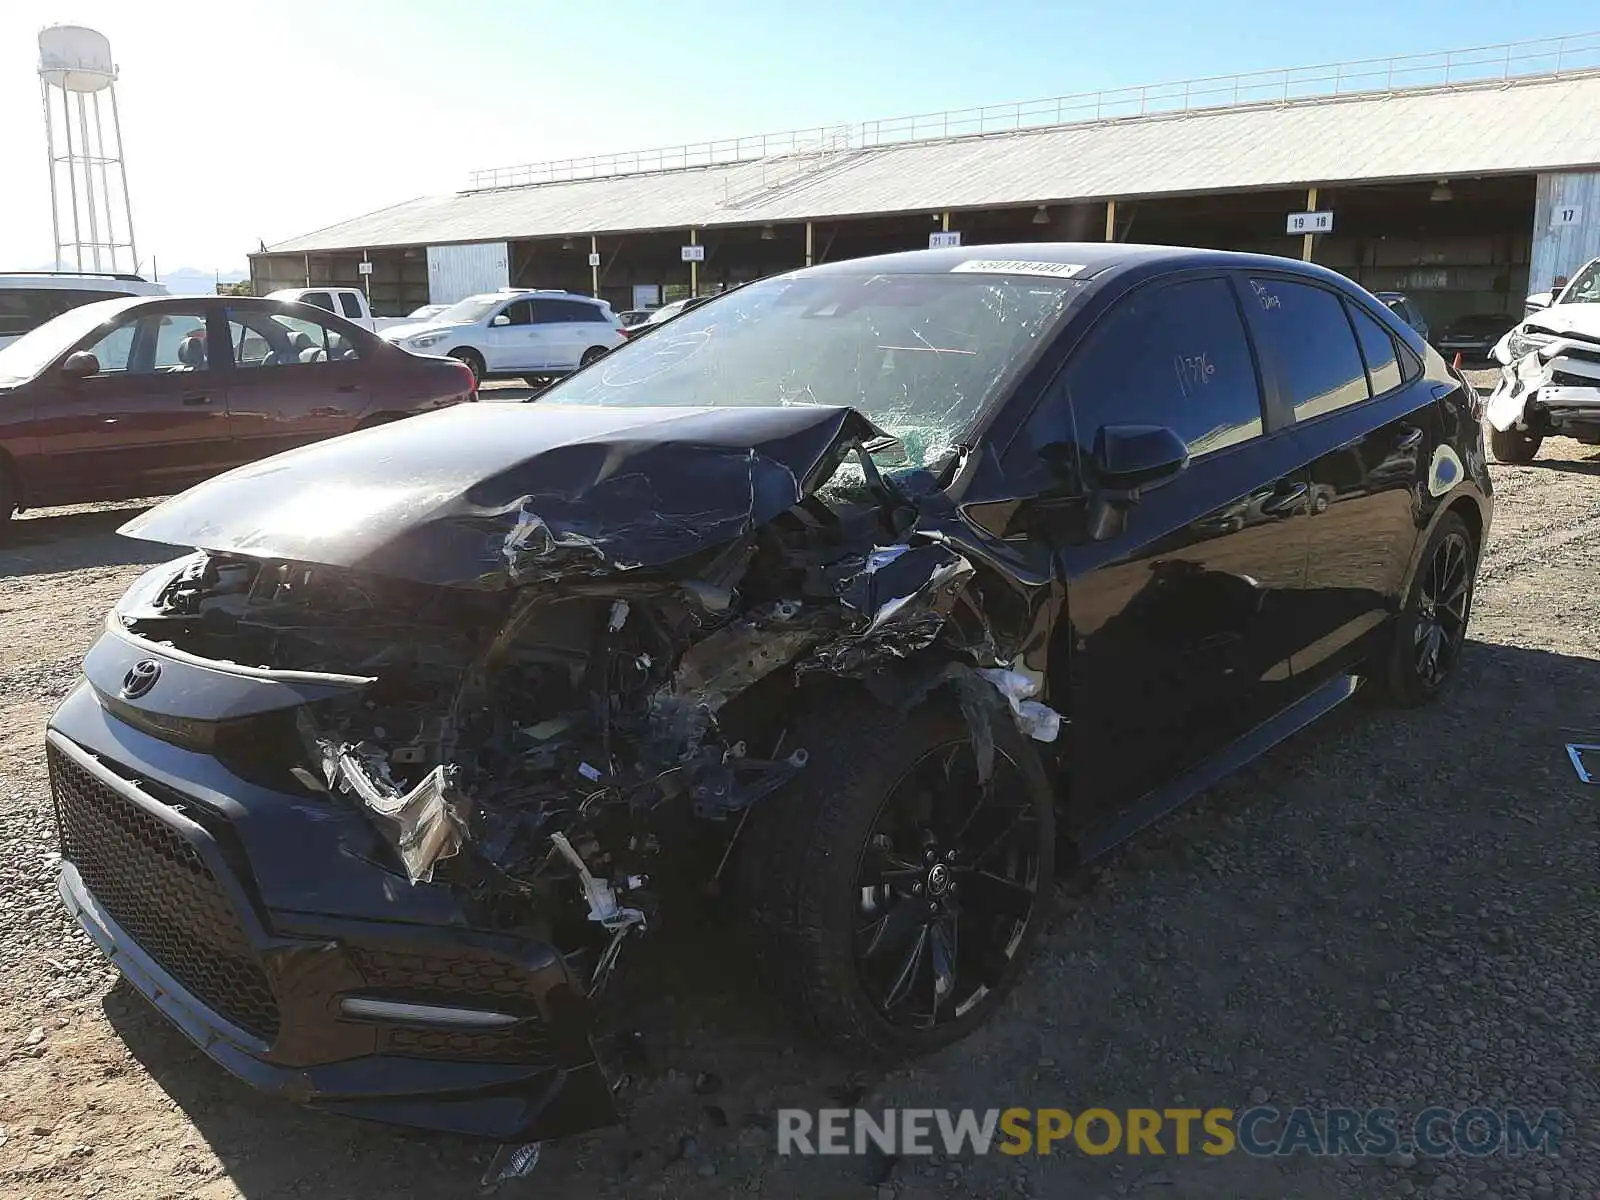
<point x="425" y="340"/>
<point x="1525" y="341"/>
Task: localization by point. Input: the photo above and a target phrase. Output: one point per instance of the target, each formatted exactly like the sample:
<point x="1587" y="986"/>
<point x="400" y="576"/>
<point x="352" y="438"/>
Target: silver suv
<point x="534" y="334"/>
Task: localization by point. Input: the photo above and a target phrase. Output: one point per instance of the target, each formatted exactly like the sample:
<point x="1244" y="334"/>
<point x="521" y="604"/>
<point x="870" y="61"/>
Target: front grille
<point x="464" y="977"/>
<point x="155" y="885"/>
<point x="522" y="1044"/>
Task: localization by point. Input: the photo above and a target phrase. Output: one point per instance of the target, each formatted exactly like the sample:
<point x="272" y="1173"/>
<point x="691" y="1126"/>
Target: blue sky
<point x="254" y="119"/>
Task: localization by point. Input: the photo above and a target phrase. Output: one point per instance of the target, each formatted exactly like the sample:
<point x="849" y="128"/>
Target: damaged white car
<point x="1550" y="374"/>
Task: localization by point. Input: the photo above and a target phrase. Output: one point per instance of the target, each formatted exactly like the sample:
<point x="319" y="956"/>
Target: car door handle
<point x="194" y="398"/>
<point x="1408" y="439"/>
<point x="1282" y="501"/>
<point x="349" y="387"/>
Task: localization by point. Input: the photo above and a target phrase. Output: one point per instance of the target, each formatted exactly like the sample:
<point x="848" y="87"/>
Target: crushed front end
<point x="1549" y="385"/>
<point x="377" y="841"/>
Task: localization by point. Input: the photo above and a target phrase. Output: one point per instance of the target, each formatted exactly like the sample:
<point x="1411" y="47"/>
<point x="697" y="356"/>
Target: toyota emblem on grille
<point x="141" y="677"/>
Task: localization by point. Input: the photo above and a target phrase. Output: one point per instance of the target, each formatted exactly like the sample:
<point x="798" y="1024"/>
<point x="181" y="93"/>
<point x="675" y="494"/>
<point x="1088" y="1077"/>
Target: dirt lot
<point x="1393" y="909"/>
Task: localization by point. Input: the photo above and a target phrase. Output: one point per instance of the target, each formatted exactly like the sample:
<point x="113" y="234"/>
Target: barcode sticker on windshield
<point x="1018" y="266"/>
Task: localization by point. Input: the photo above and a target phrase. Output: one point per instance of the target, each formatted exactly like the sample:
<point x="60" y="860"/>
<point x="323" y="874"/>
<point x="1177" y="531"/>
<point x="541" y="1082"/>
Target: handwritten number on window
<point x="1193" y="371"/>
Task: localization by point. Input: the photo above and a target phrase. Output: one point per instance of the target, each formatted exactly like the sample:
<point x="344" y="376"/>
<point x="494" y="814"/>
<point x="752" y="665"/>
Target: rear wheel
<point x="1514" y="446"/>
<point x="1431" y="629"/>
<point x="474" y="362"/>
<point x="896" y="900"/>
<point x="592" y="354"/>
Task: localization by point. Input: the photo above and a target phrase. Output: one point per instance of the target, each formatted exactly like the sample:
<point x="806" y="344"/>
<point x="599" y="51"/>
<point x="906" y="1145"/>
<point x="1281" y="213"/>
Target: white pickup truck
<point x="351" y="304"/>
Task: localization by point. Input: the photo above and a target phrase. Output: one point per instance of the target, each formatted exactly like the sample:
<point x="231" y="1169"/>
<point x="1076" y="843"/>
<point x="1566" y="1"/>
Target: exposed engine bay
<point x="538" y="747"/>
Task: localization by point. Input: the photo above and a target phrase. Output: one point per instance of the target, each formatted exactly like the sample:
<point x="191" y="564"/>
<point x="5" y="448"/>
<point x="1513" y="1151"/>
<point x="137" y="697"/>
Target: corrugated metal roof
<point x="1516" y="126"/>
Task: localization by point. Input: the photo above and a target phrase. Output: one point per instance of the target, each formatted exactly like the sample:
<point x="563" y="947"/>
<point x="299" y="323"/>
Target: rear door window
<point x="1377" y="347"/>
<point x="320" y="299"/>
<point x="1307" y="339"/>
<point x="1174" y="355"/>
<point x="351" y="305"/>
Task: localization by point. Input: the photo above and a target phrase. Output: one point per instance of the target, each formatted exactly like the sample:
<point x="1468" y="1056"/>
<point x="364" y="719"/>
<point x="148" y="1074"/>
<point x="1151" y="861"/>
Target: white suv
<point x="534" y="334"/>
<point x="28" y="301"/>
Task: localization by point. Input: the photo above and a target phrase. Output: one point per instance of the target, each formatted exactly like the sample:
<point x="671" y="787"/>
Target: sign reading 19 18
<point x="1311" y="222"/>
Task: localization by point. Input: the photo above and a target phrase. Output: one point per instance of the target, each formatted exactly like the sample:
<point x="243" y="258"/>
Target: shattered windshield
<point x="1585" y="286"/>
<point x="922" y="356"/>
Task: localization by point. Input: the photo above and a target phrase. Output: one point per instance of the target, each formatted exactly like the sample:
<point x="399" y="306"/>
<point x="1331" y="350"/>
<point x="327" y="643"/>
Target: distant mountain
<point x="192" y="280"/>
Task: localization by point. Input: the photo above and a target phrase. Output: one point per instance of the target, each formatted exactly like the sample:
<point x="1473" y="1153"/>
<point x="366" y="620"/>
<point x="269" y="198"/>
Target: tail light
<point x="467" y="380"/>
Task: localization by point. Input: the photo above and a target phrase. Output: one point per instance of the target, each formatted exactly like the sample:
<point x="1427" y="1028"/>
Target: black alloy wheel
<point x="1444" y="598"/>
<point x="946" y="886"/>
<point x="1428" y="634"/>
<point x="893" y="901"/>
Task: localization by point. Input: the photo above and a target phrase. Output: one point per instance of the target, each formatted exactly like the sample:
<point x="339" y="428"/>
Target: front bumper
<point x="163" y="878"/>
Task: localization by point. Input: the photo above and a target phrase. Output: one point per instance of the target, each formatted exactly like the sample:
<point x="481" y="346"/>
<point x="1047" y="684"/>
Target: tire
<point x="1399" y="673"/>
<point x="805" y="849"/>
<point x="591" y="355"/>
<point x="1513" y="446"/>
<point x="8" y="496"/>
<point x="537" y="382"/>
<point x="474" y="362"/>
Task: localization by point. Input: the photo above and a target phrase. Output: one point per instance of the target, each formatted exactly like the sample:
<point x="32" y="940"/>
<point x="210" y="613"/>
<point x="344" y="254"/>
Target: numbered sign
<point x="1311" y="222"/>
<point x="943" y="241"/>
<point x="694" y="254"/>
<point x="1566" y="214"/>
<point x="594" y="259"/>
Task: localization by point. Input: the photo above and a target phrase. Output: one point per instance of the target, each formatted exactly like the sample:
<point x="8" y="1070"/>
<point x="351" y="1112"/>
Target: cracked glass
<point x="923" y="356"/>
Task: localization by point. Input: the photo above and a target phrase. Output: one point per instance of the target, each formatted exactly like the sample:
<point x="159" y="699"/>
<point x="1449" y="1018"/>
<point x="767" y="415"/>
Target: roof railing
<point x="1544" y="57"/>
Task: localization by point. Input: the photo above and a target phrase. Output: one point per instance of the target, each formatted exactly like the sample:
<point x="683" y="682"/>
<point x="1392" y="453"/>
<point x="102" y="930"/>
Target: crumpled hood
<point x="496" y="495"/>
<point x="1565" y="318"/>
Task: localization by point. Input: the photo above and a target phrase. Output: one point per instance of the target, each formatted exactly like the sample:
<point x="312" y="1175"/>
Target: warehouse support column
<point x="945" y="216"/>
<point x="308" y="270"/>
<point x="1111" y="220"/>
<point x="694" y="267"/>
<point x="594" y="266"/>
<point x="808" y="243"/>
<point x="1311" y="206"/>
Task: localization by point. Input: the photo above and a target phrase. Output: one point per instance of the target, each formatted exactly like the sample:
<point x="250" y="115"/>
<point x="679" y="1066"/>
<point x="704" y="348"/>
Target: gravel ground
<point x="1394" y="909"/>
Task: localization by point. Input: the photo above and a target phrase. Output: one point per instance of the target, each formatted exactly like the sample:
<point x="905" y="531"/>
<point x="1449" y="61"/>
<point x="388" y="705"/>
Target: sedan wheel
<point x="894" y="899"/>
<point x="1443" y="596"/>
<point x="1430" y="630"/>
<point x="947" y="886"/>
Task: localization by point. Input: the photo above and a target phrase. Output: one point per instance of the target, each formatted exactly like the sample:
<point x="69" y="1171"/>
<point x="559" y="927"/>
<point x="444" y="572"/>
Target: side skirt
<point x="1155" y="804"/>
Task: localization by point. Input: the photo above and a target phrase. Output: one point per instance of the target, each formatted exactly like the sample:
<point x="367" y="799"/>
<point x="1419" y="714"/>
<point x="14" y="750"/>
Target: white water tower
<point x="89" y="182"/>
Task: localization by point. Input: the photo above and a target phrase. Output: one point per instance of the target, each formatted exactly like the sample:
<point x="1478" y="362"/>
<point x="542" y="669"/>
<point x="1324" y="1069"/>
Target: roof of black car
<point x="1091" y="258"/>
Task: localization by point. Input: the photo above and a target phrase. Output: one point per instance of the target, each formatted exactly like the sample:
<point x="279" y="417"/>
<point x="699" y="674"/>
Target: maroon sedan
<point x="140" y="397"/>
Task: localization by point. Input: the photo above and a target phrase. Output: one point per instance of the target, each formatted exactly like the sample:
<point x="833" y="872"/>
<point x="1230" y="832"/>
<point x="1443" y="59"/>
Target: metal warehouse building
<point x="1465" y="179"/>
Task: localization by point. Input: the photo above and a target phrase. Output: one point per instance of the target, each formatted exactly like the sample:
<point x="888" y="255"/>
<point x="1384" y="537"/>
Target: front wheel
<point x="895" y="899"/>
<point x="1431" y="628"/>
<point x="1513" y="446"/>
<point x="474" y="362"/>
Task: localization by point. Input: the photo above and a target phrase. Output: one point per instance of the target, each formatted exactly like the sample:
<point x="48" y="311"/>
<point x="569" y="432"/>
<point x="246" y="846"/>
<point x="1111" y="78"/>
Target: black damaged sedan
<point x="880" y="591"/>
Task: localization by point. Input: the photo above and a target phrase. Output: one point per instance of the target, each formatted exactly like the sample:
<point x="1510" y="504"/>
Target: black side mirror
<point x="1130" y="460"/>
<point x="80" y="364"/>
<point x="1135" y="458"/>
